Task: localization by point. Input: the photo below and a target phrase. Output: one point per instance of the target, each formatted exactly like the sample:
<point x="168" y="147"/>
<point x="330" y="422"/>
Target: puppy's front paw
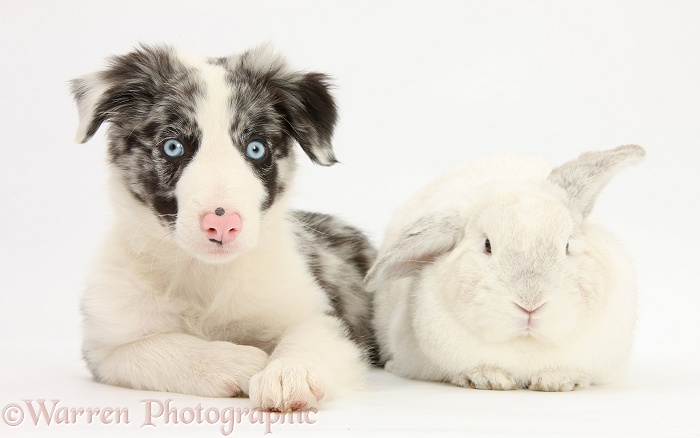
<point x="486" y="378"/>
<point x="558" y="381"/>
<point x="224" y="369"/>
<point x="284" y="386"/>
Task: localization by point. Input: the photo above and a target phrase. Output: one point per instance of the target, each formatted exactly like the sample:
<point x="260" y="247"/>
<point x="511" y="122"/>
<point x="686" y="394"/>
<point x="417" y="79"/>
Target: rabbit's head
<point x="522" y="262"/>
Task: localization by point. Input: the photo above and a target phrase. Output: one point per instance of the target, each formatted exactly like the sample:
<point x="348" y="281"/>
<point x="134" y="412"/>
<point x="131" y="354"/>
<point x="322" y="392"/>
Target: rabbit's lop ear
<point x="584" y="178"/>
<point x="418" y="245"/>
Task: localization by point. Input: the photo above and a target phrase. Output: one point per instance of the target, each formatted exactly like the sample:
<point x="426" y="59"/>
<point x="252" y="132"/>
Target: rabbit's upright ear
<point x="418" y="245"/>
<point x="585" y="177"/>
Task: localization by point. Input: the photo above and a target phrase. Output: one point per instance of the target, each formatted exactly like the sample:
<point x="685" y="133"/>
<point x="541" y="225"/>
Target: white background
<point x="422" y="86"/>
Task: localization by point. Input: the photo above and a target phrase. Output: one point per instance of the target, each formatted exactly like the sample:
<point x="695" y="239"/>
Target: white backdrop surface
<point x="422" y="87"/>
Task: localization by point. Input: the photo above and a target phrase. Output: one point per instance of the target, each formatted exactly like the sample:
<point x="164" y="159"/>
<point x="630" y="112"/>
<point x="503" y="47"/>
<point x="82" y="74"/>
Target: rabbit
<point x="493" y="277"/>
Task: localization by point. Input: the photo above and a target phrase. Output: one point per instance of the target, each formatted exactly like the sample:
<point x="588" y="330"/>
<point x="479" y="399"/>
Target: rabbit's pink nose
<point x="221" y="227"/>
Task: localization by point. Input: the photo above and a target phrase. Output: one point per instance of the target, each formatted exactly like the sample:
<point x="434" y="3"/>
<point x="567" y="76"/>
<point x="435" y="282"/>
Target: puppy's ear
<point x="89" y="92"/>
<point x="418" y="245"/>
<point x="312" y="114"/>
<point x="303" y="100"/>
<point x="585" y="177"/>
<point x="129" y="80"/>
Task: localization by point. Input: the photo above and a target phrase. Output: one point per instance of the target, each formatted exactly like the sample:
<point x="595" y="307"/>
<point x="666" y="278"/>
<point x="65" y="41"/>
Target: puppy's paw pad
<point x="297" y="404"/>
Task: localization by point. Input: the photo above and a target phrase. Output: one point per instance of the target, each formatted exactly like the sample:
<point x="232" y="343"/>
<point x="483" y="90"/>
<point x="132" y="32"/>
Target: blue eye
<point x="173" y="148"/>
<point x="255" y="150"/>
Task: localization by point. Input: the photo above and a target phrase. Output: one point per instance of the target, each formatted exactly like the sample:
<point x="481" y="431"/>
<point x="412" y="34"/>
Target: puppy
<point x="207" y="284"/>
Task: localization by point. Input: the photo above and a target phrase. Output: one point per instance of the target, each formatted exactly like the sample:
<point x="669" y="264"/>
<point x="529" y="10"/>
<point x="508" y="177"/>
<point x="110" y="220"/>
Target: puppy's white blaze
<point x="213" y="112"/>
<point x="218" y="175"/>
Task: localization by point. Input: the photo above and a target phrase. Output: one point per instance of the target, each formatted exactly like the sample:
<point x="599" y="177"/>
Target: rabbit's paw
<point x="486" y="377"/>
<point x="559" y="381"/>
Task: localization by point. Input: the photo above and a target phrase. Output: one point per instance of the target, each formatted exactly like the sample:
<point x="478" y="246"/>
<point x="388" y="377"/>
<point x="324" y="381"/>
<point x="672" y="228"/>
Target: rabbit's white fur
<point x="447" y="310"/>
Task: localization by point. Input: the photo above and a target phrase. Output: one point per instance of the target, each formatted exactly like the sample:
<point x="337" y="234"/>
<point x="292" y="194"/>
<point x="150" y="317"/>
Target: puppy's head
<point x="206" y="145"/>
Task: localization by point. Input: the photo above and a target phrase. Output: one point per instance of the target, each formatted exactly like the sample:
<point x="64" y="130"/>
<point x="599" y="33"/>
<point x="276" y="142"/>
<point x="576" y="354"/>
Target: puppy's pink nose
<point x="221" y="227"/>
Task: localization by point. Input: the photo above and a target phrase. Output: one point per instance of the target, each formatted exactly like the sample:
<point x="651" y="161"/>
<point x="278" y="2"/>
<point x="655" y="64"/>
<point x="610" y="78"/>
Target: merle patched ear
<point x="418" y="245"/>
<point x="303" y="99"/>
<point x="311" y="114"/>
<point x="585" y="177"/>
<point x="130" y="81"/>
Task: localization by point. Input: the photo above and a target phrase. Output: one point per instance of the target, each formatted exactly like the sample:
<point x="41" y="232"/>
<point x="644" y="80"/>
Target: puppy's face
<point x="206" y="145"/>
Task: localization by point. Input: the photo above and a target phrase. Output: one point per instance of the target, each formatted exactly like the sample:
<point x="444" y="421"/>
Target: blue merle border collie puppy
<point x="208" y="284"/>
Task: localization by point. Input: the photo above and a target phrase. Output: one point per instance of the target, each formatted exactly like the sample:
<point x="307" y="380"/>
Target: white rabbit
<point x="493" y="278"/>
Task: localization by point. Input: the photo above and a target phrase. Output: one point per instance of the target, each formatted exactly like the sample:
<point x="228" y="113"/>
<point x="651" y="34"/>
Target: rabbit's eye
<point x="487" y="247"/>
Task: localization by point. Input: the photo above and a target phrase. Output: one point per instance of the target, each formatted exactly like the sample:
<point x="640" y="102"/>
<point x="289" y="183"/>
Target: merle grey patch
<point x="276" y="106"/>
<point x="149" y="98"/>
<point x="302" y="100"/>
<point x="339" y="256"/>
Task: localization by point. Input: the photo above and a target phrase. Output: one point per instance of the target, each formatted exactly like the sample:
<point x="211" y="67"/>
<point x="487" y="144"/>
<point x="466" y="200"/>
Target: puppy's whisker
<point x="157" y="250"/>
<point x="138" y="125"/>
<point x="291" y="125"/>
<point x="133" y="237"/>
<point x="308" y="226"/>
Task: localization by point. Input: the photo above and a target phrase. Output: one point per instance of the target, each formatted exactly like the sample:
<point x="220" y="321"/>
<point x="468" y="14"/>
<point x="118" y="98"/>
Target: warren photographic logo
<point x="153" y="413"/>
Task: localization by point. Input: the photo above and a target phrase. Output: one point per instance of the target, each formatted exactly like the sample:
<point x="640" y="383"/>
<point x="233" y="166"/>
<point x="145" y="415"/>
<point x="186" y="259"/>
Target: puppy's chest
<point x="227" y="312"/>
<point x="242" y="330"/>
